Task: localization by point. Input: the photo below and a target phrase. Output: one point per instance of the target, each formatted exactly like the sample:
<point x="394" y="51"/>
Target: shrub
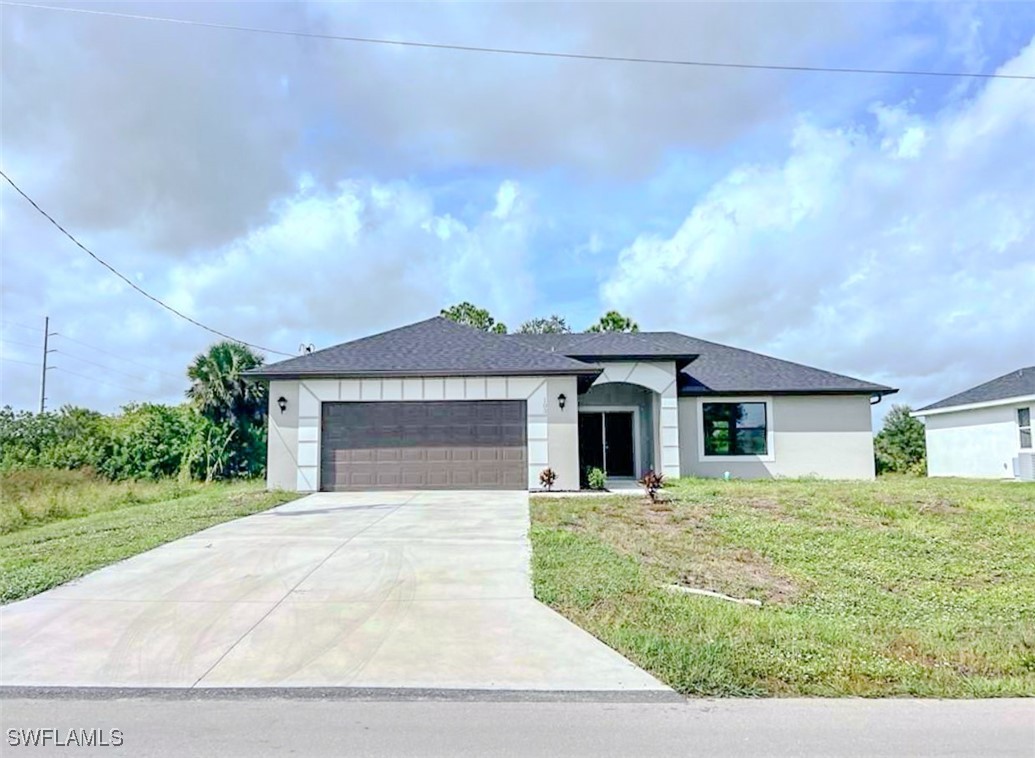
<point x="595" y="478"/>
<point x="547" y="477"/>
<point x="148" y="441"/>
<point x="67" y="439"/>
<point x="900" y="446"/>
<point x="145" y="441"/>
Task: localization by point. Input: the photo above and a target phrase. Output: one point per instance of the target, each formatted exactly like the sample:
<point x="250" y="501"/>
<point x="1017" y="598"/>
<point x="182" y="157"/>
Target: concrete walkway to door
<point x="395" y="589"/>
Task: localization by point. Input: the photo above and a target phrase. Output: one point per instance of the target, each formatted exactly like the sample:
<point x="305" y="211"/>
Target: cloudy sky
<point x="292" y="190"/>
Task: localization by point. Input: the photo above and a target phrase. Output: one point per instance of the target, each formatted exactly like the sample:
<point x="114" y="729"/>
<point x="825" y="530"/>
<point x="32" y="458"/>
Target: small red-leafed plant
<point x="652" y="482"/>
<point x="547" y="477"/>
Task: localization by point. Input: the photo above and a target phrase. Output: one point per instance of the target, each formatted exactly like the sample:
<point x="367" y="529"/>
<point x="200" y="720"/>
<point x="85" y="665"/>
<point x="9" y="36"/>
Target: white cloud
<point x="328" y="266"/>
<point x="186" y="135"/>
<point x="903" y="251"/>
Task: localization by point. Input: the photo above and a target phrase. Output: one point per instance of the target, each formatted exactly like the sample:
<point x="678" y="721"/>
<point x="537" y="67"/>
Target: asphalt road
<point x="260" y="726"/>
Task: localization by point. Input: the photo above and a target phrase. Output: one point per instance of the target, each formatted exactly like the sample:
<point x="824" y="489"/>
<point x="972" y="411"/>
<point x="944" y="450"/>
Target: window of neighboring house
<point x="735" y="429"/>
<point x="1024" y="425"/>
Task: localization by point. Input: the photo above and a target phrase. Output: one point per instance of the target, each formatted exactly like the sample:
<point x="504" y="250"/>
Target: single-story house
<point x="984" y="431"/>
<point x="440" y="405"/>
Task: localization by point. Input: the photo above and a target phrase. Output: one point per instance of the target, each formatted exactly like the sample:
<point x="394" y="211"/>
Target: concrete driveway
<point x="401" y="589"/>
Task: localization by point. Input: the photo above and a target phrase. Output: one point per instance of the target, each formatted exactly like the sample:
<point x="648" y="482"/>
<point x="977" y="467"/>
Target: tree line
<point x="471" y="315"/>
<point x="219" y="432"/>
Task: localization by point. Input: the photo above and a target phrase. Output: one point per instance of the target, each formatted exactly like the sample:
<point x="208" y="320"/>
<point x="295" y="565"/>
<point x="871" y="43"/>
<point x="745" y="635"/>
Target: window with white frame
<point x="1024" y="427"/>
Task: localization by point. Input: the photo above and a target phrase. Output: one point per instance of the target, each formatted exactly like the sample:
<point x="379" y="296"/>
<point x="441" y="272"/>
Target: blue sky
<point x="291" y="190"/>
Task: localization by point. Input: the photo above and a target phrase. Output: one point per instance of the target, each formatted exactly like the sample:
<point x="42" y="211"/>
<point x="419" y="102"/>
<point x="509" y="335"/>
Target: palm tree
<point x="234" y="441"/>
<point x="218" y="390"/>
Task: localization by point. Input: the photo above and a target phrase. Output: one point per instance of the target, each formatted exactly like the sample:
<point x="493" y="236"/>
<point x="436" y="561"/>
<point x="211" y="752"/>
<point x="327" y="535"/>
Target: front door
<point x="606" y="442"/>
<point x="619" y="446"/>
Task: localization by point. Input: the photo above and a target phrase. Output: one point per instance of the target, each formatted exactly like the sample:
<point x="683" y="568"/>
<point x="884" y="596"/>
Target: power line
<point x="517" y="51"/>
<point x="128" y="281"/>
<point x="99" y="381"/>
<point x="99" y="365"/>
<point x="22" y="344"/>
<point x="5" y="359"/>
<point x="116" y="356"/>
<point x="23" y="326"/>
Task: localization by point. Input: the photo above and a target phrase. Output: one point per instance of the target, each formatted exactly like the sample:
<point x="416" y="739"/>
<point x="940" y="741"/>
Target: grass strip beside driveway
<point x="38" y="556"/>
<point x="896" y="587"/>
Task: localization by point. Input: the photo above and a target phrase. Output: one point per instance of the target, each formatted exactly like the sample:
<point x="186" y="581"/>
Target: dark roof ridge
<point x="369" y="337"/>
<point x="435" y="346"/>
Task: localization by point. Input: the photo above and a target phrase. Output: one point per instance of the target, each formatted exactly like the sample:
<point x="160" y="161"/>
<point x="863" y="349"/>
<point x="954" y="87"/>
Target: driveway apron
<point x="387" y="589"/>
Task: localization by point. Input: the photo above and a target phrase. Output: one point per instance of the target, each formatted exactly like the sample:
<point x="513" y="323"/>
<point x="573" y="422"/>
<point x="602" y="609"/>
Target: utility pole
<point x="43" y="374"/>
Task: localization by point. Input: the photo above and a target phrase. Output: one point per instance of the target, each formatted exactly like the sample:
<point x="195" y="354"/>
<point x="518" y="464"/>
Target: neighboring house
<point x="440" y="405"/>
<point x="984" y="431"/>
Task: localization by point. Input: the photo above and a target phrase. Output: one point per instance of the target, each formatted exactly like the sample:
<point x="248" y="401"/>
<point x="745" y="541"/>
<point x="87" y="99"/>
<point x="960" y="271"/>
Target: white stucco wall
<point x="828" y="436"/>
<point x="293" y="448"/>
<point x="282" y="437"/>
<point x="982" y="442"/>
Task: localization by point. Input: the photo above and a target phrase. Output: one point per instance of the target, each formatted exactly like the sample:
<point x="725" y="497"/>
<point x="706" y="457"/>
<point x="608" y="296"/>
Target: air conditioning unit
<point x="1026" y="467"/>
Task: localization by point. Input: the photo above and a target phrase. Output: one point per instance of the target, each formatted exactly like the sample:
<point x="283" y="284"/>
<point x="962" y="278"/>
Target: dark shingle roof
<point x="706" y="367"/>
<point x="436" y="347"/>
<point x="611" y="344"/>
<point x="1019" y="383"/>
<point x="439" y="347"/>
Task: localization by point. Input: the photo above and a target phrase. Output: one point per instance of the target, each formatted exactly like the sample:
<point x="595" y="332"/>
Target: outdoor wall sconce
<point x="282" y="403"/>
<point x="561" y="400"/>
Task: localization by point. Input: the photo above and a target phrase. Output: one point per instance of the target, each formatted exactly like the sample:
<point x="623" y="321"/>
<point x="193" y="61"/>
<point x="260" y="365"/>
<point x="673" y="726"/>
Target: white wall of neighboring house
<point x="827" y="436"/>
<point x="977" y="442"/>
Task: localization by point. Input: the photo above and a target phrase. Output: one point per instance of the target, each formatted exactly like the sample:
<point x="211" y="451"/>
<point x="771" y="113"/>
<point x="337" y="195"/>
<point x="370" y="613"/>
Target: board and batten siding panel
<point x="827" y="436"/>
<point x="550" y="440"/>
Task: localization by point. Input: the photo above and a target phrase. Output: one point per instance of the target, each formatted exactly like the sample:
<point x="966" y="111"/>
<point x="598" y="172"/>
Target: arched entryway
<point x="617" y="432"/>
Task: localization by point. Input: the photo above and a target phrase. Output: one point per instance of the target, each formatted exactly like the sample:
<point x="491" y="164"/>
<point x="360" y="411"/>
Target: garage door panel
<point x="462" y="478"/>
<point x="462" y="455"/>
<point x="414" y="478"/>
<point x="418" y="445"/>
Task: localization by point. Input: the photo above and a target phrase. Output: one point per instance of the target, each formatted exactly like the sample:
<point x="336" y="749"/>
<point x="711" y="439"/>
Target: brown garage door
<point x="469" y="444"/>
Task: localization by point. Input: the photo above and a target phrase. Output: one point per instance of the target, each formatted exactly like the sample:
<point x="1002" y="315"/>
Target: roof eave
<point x="869" y="391"/>
<point x="934" y="409"/>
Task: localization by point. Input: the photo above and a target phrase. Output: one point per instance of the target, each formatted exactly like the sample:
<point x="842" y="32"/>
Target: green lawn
<point x="897" y="587"/>
<point x="58" y="525"/>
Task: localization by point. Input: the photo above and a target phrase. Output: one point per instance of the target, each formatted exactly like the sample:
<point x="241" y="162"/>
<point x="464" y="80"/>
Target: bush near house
<point x="903" y="586"/>
<point x="900" y="446"/>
